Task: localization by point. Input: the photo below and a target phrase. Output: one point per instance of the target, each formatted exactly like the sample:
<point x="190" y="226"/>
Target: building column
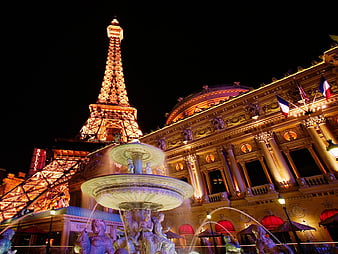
<point x="265" y="169"/>
<point x="195" y="176"/>
<point x="227" y="173"/>
<point x="275" y="160"/>
<point x="325" y="130"/>
<point x="312" y="124"/>
<point x="246" y="175"/>
<point x="293" y="166"/>
<point x="238" y="178"/>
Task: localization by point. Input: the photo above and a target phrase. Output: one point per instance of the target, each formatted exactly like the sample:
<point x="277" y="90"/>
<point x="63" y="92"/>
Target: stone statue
<point x="144" y="234"/>
<point x="264" y="245"/>
<point x="97" y="244"/>
<point x="148" y="168"/>
<point x="5" y="242"/>
<point x="131" y="167"/>
<point x="231" y="247"/>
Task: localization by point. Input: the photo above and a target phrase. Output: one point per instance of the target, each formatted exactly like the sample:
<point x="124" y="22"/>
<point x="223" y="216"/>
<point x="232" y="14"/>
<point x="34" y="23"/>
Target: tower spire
<point x="113" y="90"/>
<point x="111" y="118"/>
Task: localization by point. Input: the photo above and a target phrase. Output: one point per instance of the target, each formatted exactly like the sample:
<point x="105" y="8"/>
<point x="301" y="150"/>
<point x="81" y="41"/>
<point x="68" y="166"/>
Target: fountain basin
<point x="138" y="191"/>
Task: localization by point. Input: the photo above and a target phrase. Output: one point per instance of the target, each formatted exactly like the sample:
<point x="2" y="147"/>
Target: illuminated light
<point x="52" y="212"/>
<point x="290" y="135"/>
<point x="210" y="158"/>
<point x="179" y="166"/>
<point x="246" y="148"/>
<point x="332" y="148"/>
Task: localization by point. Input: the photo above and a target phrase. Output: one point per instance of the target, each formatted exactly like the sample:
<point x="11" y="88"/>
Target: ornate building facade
<point x="231" y="143"/>
<point x="239" y="151"/>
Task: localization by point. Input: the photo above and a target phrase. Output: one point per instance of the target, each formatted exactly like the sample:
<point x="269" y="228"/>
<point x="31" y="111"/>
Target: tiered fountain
<point x="140" y="195"/>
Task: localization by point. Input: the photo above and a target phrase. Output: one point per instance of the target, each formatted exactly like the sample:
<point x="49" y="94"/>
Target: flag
<point x="284" y="105"/>
<point x="303" y="95"/>
<point x="325" y="88"/>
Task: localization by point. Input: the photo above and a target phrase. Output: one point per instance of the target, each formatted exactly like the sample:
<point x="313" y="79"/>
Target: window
<point x="216" y="182"/>
<point x="256" y="173"/>
<point x="305" y="163"/>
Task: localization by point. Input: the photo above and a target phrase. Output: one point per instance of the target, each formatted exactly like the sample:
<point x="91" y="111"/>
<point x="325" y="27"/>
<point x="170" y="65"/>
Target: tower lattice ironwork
<point x="111" y="120"/>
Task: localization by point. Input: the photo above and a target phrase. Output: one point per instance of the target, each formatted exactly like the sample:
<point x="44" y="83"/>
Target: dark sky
<point x="53" y="58"/>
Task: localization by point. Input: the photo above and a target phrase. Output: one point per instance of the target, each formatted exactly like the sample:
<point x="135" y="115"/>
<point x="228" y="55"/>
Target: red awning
<point x="327" y="214"/>
<point x="224" y="227"/>
<point x="186" y="229"/>
<point x="271" y="222"/>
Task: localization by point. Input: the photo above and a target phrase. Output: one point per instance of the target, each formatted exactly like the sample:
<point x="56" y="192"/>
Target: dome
<point x="199" y="101"/>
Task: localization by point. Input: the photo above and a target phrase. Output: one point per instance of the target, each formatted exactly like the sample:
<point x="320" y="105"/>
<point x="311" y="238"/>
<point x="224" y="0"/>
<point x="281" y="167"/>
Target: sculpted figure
<point x="5" y="242"/>
<point x="131" y="167"/>
<point x="97" y="244"/>
<point x="164" y="245"/>
<point x="264" y="245"/>
<point x="231" y="247"/>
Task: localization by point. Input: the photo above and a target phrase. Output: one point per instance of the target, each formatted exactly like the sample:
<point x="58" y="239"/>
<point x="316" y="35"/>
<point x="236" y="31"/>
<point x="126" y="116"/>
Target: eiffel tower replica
<point x="112" y="121"/>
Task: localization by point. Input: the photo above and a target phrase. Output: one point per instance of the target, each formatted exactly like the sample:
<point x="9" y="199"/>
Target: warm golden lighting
<point x="290" y="135"/>
<point x="246" y="148"/>
<point x="210" y="158"/>
<point x="281" y="200"/>
<point x="332" y="148"/>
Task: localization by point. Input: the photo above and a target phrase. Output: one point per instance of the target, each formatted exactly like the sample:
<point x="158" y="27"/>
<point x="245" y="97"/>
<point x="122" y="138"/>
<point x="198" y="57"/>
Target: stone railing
<point x="221" y="196"/>
<point x="260" y="190"/>
<point x="316" y="180"/>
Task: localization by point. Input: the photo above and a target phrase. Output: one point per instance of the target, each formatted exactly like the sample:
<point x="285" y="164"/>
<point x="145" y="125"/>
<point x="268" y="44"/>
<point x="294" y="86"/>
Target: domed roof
<point x="199" y="101"/>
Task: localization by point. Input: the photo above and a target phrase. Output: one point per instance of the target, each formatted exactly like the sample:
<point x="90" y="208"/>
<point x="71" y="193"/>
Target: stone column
<point x="265" y="169"/>
<point x="323" y="128"/>
<point x="294" y="168"/>
<point x="246" y="175"/>
<point x="195" y="176"/>
<point x="227" y="172"/>
<point x="274" y="158"/>
<point x="312" y="125"/>
<point x="235" y="169"/>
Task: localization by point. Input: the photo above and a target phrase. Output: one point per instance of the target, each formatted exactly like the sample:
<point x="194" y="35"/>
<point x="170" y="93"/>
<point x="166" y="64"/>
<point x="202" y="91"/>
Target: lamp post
<point x="212" y="232"/>
<point x="299" y="247"/>
<point x="52" y="213"/>
<point x="332" y="149"/>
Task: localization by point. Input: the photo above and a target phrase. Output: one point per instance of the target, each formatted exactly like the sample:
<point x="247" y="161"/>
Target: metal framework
<point x="111" y="120"/>
<point x="46" y="189"/>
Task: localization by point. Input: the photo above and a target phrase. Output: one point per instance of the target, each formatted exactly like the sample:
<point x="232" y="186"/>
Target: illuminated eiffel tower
<point x="111" y="120"/>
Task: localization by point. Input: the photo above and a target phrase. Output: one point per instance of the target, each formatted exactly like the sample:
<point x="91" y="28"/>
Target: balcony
<point x="218" y="197"/>
<point x="261" y="193"/>
<point x="317" y="183"/>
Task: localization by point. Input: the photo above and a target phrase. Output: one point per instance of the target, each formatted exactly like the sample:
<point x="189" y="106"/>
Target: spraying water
<point x="205" y="221"/>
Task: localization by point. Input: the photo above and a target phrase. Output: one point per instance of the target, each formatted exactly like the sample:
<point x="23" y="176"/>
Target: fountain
<point x="263" y="243"/>
<point x="140" y="196"/>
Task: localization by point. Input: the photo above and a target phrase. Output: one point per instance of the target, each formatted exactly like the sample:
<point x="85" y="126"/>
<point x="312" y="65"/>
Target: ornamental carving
<point x="264" y="136"/>
<point x="314" y="121"/>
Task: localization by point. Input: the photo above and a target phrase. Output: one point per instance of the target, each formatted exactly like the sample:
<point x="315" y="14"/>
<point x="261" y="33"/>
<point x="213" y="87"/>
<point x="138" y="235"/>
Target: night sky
<point x="54" y="54"/>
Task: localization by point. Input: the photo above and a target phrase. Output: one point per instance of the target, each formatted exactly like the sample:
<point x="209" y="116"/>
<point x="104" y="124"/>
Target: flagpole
<point x="313" y="101"/>
<point x="293" y="104"/>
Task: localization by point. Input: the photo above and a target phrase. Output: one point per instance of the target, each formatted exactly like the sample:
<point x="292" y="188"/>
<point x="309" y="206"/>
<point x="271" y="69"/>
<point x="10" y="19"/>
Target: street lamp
<point x="212" y="232"/>
<point x="281" y="201"/>
<point x="332" y="149"/>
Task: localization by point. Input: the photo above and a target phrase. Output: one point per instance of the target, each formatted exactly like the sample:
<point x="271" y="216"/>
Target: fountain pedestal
<point x="139" y="197"/>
